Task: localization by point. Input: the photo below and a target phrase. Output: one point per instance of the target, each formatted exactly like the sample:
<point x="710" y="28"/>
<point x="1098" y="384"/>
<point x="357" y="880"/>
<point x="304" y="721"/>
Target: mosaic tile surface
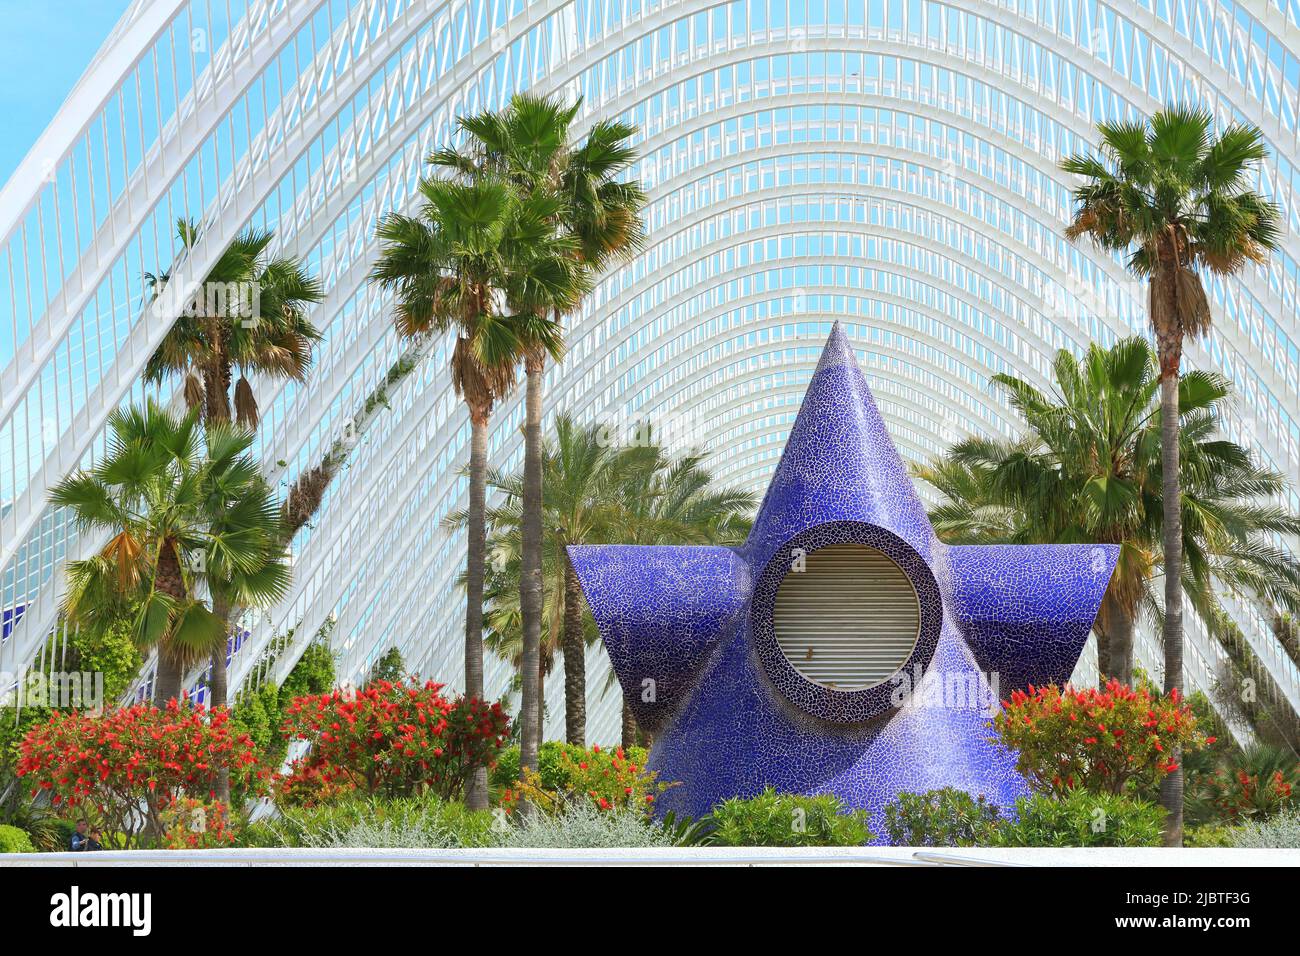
<point x="689" y="630"/>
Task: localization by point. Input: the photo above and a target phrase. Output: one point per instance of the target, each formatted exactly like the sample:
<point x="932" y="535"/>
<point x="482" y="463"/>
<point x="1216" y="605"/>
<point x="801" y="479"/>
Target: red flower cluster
<point x="1097" y="740"/>
<point x="392" y="739"/>
<point x="132" y="759"/>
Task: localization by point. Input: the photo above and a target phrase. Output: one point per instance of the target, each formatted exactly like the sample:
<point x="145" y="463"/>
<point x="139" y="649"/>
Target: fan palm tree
<point x="1089" y="469"/>
<point x="1177" y="200"/>
<point x="529" y="142"/>
<point x="474" y="249"/>
<point x="249" y="316"/>
<point x="187" y="511"/>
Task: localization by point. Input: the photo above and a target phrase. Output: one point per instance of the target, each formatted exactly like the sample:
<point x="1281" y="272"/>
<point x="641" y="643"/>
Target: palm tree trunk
<point x="170" y="581"/>
<point x="476" y="796"/>
<point x="540" y="709"/>
<point x="218" y="689"/>
<point x="1119" y="636"/>
<point x="530" y="572"/>
<point x="1171" y="788"/>
<point x="575" y="661"/>
<point x="167" y="680"/>
<point x="629" y="726"/>
<point x="216" y="391"/>
<point x="1103" y="655"/>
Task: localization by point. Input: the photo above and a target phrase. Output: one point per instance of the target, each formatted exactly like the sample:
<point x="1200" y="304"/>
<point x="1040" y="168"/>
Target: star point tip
<point x="837" y="350"/>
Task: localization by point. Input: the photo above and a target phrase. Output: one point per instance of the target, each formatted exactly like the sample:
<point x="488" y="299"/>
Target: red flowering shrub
<point x="129" y="765"/>
<point x="390" y="739"/>
<point x="607" y="778"/>
<point x="1096" y="740"/>
<point x="190" y="824"/>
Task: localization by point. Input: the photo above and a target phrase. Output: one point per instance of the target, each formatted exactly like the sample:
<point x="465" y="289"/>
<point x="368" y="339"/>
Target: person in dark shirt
<point x="79" y="837"/>
<point x="95" y="840"/>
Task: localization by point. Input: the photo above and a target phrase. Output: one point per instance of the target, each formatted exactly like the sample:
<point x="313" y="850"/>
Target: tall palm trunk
<point x="1171" y="788"/>
<point x="170" y="673"/>
<point x="1103" y="655"/>
<point x="1121" y="649"/>
<point x="629" y="734"/>
<point x="167" y="680"/>
<point x="476" y="797"/>
<point x="1119" y="638"/>
<point x="530" y="574"/>
<point x="575" y="661"/>
<point x="218" y="689"/>
<point x="539" y="711"/>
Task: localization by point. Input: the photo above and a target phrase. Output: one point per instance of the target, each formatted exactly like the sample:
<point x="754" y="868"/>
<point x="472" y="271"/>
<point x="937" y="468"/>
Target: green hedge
<point x="945" y="817"/>
<point x="550" y="764"/>
<point x="1081" y="819"/>
<point x="787" y="819"/>
<point x="14" y="840"/>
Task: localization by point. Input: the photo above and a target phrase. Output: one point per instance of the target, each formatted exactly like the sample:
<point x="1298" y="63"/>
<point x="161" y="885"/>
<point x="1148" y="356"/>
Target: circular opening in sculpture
<point x="849" y="619"/>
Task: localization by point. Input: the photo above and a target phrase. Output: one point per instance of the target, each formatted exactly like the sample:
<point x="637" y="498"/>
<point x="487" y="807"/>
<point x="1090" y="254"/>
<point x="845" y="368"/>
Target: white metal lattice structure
<point x="888" y="163"/>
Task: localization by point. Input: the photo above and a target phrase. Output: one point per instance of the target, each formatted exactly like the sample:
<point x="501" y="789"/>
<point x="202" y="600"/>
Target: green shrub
<point x="505" y="772"/>
<point x="14" y="840"/>
<point x="1209" y="835"/>
<point x="59" y="835"/>
<point x="1279" y="832"/>
<point x="313" y="674"/>
<point x="258" y="714"/>
<point x="389" y="667"/>
<point x="787" y="819"/>
<point x="554" y="770"/>
<point x="611" y="779"/>
<point x="413" y="822"/>
<point x="946" y="817"/>
<point x="584" y="826"/>
<point x="1080" y="818"/>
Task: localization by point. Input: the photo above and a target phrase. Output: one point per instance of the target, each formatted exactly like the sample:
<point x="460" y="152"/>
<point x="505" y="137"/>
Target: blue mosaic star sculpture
<point x="690" y="630"/>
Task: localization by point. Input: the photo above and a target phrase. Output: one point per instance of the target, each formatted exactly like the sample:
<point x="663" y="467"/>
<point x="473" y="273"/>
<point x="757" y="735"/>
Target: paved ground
<point x="864" y="856"/>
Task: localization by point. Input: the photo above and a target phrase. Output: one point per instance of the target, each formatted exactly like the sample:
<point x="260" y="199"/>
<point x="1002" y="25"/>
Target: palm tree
<point x="597" y="492"/>
<point x="1090" y="469"/>
<point x="529" y="143"/>
<point x="250" y="317"/>
<point x="186" y="511"/>
<point x="450" y="268"/>
<point x="1176" y="199"/>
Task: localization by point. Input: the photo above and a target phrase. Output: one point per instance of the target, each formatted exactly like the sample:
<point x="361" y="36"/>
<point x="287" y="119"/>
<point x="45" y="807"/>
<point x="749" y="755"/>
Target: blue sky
<point x="44" y="49"/>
